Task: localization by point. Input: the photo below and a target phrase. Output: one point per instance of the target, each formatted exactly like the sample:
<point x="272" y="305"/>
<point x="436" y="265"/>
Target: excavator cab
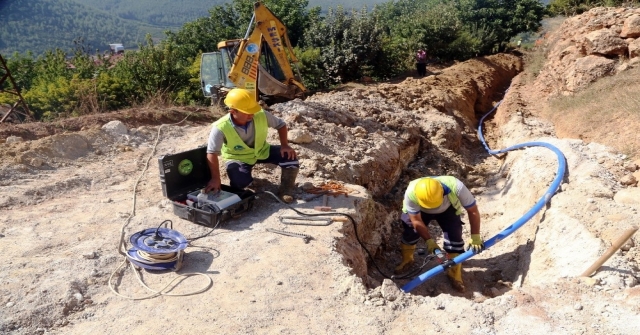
<point x="259" y="62"/>
<point x="214" y="67"/>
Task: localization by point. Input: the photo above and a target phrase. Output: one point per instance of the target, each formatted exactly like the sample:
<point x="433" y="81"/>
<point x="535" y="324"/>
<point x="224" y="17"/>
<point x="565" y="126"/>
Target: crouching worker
<point x="441" y="199"/>
<point x="240" y="137"/>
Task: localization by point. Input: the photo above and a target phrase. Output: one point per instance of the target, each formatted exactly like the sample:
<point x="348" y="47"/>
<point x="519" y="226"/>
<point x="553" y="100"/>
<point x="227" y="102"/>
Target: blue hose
<point x="519" y="223"/>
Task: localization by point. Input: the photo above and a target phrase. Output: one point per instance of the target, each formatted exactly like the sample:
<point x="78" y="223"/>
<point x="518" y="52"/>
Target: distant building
<point x="116" y="48"/>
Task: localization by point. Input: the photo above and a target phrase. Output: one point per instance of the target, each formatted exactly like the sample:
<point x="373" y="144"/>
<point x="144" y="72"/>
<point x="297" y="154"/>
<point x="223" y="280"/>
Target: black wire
<point x="158" y="237"/>
<point x="411" y="274"/>
<point x="355" y="229"/>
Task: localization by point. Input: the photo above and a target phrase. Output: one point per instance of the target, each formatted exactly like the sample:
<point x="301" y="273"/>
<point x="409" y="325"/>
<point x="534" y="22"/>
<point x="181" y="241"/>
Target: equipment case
<point x="188" y="171"/>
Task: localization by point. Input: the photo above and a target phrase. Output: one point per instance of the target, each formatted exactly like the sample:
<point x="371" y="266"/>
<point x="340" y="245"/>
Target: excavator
<point x="259" y="62"/>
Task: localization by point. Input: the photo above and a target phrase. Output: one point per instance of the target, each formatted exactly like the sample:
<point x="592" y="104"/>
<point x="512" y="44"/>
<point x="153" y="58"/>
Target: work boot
<point x="287" y="183"/>
<point x="455" y="275"/>
<point x="407" y="257"/>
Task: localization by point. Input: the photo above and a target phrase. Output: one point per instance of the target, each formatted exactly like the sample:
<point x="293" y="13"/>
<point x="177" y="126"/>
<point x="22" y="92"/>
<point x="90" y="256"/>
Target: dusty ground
<point x="67" y="192"/>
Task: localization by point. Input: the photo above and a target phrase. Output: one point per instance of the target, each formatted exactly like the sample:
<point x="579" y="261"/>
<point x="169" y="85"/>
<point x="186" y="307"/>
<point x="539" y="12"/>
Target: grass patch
<point x="608" y="112"/>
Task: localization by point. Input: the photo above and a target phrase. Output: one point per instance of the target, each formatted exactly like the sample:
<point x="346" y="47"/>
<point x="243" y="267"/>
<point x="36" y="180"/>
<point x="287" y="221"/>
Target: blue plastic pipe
<point x="519" y="223"/>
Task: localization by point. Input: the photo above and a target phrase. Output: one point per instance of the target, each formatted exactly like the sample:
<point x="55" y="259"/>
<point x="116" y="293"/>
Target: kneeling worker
<point x="442" y="199"/>
<point x="241" y="138"/>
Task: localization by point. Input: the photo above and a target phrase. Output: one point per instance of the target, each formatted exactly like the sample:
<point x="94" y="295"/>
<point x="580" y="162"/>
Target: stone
<point x="390" y="291"/>
<point x="299" y="136"/>
<point x="603" y="42"/>
<point x="628" y="180"/>
<point x="36" y="162"/>
<point x="14" y="139"/>
<point x="115" y="128"/>
<point x="631" y="27"/>
<point x="586" y="70"/>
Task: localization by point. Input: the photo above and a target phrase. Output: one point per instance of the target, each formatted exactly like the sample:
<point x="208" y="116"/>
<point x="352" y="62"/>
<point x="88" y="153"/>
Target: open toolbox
<point x="184" y="174"/>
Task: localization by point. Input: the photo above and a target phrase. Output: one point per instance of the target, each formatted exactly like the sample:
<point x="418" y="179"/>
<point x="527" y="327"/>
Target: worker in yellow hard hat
<point x="240" y="137"/>
<point x="441" y="199"/>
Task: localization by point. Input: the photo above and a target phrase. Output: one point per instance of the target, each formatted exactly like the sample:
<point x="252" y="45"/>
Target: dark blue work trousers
<point x="449" y="222"/>
<point x="240" y="173"/>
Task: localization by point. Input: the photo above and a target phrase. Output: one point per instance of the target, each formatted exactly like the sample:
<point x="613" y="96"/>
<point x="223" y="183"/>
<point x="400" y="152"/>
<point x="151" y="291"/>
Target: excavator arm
<point x="247" y="71"/>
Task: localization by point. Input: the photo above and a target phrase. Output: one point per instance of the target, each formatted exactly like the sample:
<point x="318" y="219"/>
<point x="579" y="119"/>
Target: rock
<point x="115" y="128"/>
<point x="10" y="304"/>
<point x="592" y="282"/>
<point x="14" y="139"/>
<point x="603" y="42"/>
<point x="390" y="291"/>
<point x="631" y="27"/>
<point x="36" y="162"/>
<point x="90" y="255"/>
<point x="628" y="180"/>
<point x="628" y="245"/>
<point x="300" y="136"/>
<point x="586" y="70"/>
<point x="577" y="307"/>
<point x="630" y="166"/>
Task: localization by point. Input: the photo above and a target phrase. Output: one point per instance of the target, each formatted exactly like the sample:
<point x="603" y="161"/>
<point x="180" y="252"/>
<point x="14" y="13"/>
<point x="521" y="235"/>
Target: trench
<point x="459" y="152"/>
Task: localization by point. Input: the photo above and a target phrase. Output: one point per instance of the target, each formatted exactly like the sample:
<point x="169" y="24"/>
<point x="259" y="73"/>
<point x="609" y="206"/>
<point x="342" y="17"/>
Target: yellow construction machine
<point x="260" y="62"/>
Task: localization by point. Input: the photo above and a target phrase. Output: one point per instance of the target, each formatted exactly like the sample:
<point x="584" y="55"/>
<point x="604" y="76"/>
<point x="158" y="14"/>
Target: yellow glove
<point x="476" y="243"/>
<point x="431" y="246"/>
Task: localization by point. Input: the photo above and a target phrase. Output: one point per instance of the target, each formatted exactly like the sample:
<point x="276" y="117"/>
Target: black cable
<point x="355" y="229"/>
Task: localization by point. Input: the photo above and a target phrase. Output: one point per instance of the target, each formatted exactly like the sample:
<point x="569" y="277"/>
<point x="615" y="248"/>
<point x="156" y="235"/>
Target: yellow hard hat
<point x="242" y="100"/>
<point x="429" y="192"/>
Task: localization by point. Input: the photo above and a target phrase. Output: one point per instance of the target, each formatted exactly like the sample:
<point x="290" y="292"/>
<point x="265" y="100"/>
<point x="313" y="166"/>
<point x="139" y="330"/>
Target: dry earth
<point x="68" y="190"/>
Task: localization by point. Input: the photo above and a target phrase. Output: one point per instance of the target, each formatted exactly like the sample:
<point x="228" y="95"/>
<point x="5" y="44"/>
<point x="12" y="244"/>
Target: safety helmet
<point x="242" y="100"/>
<point x="429" y="193"/>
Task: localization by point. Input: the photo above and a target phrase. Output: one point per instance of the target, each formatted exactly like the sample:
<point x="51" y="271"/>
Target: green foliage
<point x="152" y="70"/>
<point x="343" y="45"/>
<point x="22" y="70"/>
<point x="313" y="74"/>
<point x="350" y="45"/>
<point x="191" y="94"/>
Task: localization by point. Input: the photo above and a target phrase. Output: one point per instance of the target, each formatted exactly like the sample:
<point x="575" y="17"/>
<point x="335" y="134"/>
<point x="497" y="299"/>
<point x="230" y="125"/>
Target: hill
<point x="170" y="13"/>
<point x="40" y="25"/>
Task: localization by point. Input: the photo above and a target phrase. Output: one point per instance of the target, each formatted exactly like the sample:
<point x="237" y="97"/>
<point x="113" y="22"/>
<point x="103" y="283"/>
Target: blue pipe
<point x="519" y="223"/>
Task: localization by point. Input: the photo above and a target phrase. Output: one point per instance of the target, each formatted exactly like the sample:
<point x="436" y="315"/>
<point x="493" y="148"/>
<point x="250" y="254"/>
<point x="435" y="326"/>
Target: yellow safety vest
<point x="235" y="148"/>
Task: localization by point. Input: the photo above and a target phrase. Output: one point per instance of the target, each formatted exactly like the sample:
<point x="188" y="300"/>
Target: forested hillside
<point x="165" y="13"/>
<point x="174" y="13"/>
<point x="39" y="25"/>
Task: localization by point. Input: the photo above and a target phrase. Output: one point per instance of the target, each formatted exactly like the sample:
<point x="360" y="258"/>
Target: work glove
<point x="476" y="243"/>
<point x="431" y="246"/>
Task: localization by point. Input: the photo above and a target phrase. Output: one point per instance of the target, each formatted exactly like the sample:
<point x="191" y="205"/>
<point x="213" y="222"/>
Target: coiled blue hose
<point x="519" y="223"/>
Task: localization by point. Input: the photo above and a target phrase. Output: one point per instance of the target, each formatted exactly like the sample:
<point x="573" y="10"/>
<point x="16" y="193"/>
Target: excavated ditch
<point x="381" y="137"/>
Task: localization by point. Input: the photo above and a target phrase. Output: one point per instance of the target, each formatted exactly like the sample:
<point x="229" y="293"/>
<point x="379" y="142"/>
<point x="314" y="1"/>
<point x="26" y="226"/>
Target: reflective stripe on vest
<point x="450" y="186"/>
<point x="235" y="148"/>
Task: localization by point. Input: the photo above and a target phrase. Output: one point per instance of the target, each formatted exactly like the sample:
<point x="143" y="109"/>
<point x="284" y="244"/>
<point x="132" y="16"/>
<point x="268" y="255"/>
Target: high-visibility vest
<point x="235" y="148"/>
<point x="450" y="185"/>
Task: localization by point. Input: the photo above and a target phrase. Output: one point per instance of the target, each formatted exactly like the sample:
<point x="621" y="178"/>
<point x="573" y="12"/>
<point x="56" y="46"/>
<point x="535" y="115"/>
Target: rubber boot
<point x="287" y="183"/>
<point x="455" y="275"/>
<point x="407" y="257"/>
